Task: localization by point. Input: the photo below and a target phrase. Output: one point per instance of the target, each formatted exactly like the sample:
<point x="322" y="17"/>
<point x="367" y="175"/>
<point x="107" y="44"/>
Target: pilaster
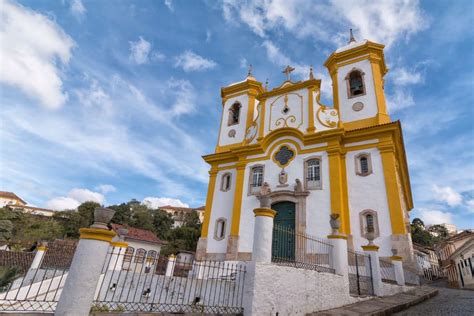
<point x="210" y="194"/>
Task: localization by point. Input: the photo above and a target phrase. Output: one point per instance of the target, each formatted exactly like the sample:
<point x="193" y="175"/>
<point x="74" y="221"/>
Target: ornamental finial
<point x="311" y="76"/>
<point x="249" y="73"/>
<point x="266" y="84"/>
<point x="351" y="37"/>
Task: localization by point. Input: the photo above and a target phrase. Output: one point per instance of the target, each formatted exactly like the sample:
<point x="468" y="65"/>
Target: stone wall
<point x="271" y="289"/>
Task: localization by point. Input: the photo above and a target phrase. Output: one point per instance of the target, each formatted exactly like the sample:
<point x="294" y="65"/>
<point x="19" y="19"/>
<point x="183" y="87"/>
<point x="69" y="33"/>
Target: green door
<point x="283" y="245"/>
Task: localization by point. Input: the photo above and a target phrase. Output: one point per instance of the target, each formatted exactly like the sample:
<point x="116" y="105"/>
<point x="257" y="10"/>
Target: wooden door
<point x="283" y="244"/>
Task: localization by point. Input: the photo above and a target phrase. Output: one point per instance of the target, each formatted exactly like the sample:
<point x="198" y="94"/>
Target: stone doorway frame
<point x="299" y="199"/>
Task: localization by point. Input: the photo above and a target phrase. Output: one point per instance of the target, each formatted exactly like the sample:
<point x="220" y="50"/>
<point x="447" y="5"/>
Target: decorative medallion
<point x="284" y="155"/>
<point x="231" y="133"/>
<point x="358" y="106"/>
<point x="282" y="178"/>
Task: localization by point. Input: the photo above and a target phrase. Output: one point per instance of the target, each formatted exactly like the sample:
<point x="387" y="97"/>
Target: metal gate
<point x="360" y="273"/>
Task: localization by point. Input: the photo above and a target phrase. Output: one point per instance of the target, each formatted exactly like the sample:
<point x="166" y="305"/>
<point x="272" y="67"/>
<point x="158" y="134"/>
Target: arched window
<point x="363" y="164"/>
<point x="140" y="255"/>
<point x="127" y="258"/>
<point x="313" y="173"/>
<point x="234" y="114"/>
<point x="219" y="230"/>
<point x="369" y="223"/>
<point x="226" y="181"/>
<point x="256" y="179"/>
<point x="355" y="83"/>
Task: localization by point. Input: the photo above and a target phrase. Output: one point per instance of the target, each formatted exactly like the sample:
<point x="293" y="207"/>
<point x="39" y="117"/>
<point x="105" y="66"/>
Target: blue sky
<point x="110" y="101"/>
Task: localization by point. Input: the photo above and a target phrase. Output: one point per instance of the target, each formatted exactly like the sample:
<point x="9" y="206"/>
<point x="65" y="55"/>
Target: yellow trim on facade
<point x="97" y="234"/>
<point x="209" y="199"/>
<point x="284" y="143"/>
<point x="315" y="83"/>
<point x="250" y="111"/>
<point x="345" y="196"/>
<point x="337" y="237"/>
<point x="378" y="86"/>
<point x="371" y="248"/>
<point x="41" y="248"/>
<point x="396" y="258"/>
<point x="263" y="211"/>
<point x="391" y="186"/>
<point x="119" y="244"/>
<point x="261" y="124"/>
<point x="311" y="128"/>
<point x="239" y="191"/>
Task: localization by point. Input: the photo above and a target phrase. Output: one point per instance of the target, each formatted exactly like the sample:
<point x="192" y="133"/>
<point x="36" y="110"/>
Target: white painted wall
<point x="346" y="113"/>
<point x="224" y="138"/>
<point x="222" y="206"/>
<point x="368" y="193"/>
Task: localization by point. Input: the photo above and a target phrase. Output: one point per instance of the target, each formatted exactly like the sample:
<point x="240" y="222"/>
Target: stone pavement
<point x="447" y="302"/>
<point x="384" y="305"/>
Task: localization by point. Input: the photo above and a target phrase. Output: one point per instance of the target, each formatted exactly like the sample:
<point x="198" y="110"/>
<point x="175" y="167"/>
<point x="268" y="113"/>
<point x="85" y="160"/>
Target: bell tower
<point x="239" y="107"/>
<point x="357" y="72"/>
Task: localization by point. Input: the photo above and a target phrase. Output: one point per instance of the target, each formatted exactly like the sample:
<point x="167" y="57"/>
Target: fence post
<point x="372" y="251"/>
<point x="40" y="252"/>
<point x="262" y="237"/>
<point x="170" y="266"/>
<point x="398" y="266"/>
<point x="339" y="255"/>
<point x="86" y="267"/>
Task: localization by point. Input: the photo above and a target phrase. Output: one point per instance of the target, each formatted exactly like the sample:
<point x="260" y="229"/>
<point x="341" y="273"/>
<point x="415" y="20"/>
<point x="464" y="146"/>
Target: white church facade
<point x="348" y="159"/>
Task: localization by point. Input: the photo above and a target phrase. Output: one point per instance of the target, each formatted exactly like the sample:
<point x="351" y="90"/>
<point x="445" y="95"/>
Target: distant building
<point x="178" y="213"/>
<point x="14" y="202"/>
<point x="427" y="262"/>
<point x="450" y="228"/>
<point x="10" y="198"/>
<point x="463" y="260"/>
<point x="449" y="252"/>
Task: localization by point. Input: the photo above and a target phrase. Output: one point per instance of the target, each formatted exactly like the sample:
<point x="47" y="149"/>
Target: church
<point x="317" y="160"/>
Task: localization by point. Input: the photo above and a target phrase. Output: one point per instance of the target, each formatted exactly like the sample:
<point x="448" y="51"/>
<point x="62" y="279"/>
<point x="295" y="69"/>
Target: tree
<point x="86" y="210"/>
<point x="163" y="223"/>
<point x="419" y="234"/>
<point x="123" y="214"/>
<point x="439" y="232"/>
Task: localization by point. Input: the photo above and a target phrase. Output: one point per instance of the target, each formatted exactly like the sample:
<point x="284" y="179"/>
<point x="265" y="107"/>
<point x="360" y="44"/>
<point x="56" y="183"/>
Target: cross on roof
<point x="287" y="71"/>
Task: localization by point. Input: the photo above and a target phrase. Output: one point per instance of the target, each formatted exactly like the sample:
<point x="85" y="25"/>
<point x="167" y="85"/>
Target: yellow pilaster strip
<point x="209" y="199"/>
<point x="337" y="185"/>
<point x="382" y="115"/>
<point x="387" y="152"/>
<point x="335" y="92"/>
<point x="239" y="189"/>
<point x="345" y="196"/>
<point x="250" y="111"/>
<point x="261" y="124"/>
<point x="311" y="127"/>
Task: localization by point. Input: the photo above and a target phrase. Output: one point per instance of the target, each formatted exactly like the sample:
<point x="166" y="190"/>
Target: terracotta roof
<point x="138" y="234"/>
<point x="31" y="208"/>
<point x="11" y="195"/>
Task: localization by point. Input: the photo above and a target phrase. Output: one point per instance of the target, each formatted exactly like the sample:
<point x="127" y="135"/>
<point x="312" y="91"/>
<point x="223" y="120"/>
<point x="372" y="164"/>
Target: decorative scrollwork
<point x="325" y="115"/>
<point x="284" y="121"/>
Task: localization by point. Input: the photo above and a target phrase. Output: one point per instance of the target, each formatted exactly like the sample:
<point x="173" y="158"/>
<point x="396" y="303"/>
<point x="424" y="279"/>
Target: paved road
<point x="447" y="302"/>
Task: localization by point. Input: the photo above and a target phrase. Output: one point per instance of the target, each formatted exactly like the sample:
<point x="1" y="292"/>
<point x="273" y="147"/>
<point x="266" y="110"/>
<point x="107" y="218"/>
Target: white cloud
<point x="94" y="96"/>
<point x="470" y="205"/>
<point x="74" y="198"/>
<point x="84" y="195"/>
<point x="447" y="195"/>
<point x="208" y="36"/>
<point x="77" y="8"/>
<point x="383" y="21"/>
<point x="399" y="100"/>
<point x="184" y="94"/>
<point x="169" y="4"/>
<point x="158" y="56"/>
<point x="402" y="77"/>
<point x="62" y="203"/>
<point x="106" y="188"/>
<point x="433" y="217"/>
<point x="301" y="71"/>
<point x="140" y="51"/>
<point x="32" y="51"/>
<point x="155" y="202"/>
<point x="190" y="61"/>
<point x="243" y="63"/>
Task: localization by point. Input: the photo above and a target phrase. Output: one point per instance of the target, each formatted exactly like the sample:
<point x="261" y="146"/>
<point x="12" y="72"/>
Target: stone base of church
<point x="232" y="248"/>
<point x="402" y="243"/>
<point x="201" y="248"/>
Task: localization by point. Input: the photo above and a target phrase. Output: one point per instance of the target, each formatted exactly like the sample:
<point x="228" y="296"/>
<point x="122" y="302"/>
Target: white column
<point x="85" y="271"/>
<point x="372" y="250"/>
<point x="170" y="265"/>
<point x="40" y="252"/>
<point x="339" y="255"/>
<point x="398" y="265"/>
<point x="118" y="252"/>
<point x="263" y="233"/>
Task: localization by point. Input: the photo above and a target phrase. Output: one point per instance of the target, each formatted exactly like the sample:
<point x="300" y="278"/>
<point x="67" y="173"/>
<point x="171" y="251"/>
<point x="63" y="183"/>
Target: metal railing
<point x="301" y="250"/>
<point x="35" y="289"/>
<point x="387" y="270"/>
<point x="360" y="273"/>
<point x="145" y="283"/>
